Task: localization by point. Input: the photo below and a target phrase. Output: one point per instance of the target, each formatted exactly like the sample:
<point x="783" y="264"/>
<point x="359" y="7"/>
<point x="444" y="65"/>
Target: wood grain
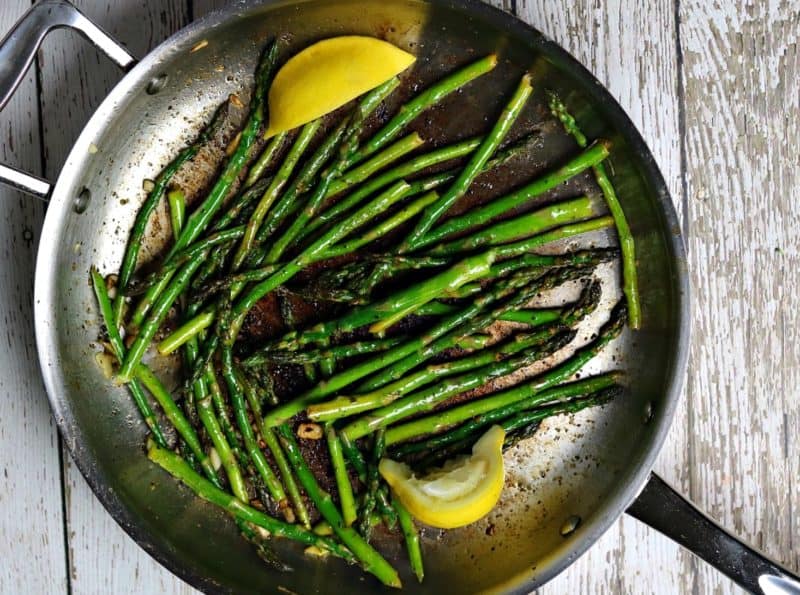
<point x="31" y="515"/>
<point x="76" y="78"/>
<point x="740" y="71"/>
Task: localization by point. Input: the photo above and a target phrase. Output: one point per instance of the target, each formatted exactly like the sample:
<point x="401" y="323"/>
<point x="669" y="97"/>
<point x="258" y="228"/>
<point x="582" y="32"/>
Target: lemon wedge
<point x="326" y="75"/>
<point x="460" y="492"/>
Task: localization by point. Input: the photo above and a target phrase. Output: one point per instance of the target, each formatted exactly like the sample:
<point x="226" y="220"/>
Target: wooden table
<point x="713" y="89"/>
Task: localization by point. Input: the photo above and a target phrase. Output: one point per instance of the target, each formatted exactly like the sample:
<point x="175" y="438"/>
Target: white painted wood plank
<point x="740" y="71"/>
<point x="75" y="80"/>
<point x="630" y="46"/>
<point x="31" y="518"/>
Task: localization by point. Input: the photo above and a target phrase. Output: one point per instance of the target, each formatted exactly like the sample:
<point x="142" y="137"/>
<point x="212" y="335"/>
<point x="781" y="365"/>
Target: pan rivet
<point x="648" y="412"/>
<point x="570" y="525"/>
<point x="156" y="84"/>
<point x="82" y="200"/>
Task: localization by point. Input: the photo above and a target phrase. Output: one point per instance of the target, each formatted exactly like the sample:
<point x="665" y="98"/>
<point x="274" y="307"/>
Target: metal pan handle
<point x="17" y="51"/>
<point x="665" y="510"/>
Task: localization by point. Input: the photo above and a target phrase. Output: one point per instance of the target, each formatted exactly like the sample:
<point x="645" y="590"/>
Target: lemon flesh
<point x="460" y="492"/>
<point x="326" y="75"/>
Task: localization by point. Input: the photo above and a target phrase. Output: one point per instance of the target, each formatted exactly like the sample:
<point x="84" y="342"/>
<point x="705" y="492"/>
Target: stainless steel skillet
<point x="590" y="468"/>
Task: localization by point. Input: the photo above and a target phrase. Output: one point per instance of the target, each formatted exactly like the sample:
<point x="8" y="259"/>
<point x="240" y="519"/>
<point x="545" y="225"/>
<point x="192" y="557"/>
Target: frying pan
<point x="566" y="486"/>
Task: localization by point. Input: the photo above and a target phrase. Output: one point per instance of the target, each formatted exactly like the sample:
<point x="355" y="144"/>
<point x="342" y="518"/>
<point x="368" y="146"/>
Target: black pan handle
<point x="17" y="51"/>
<point x="667" y="511"/>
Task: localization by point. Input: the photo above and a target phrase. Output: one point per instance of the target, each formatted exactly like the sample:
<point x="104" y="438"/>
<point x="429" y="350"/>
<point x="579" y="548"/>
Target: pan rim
<point x="616" y="502"/>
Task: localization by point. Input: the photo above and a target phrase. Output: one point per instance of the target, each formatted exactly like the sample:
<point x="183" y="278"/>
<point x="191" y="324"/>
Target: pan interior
<point x="579" y="467"/>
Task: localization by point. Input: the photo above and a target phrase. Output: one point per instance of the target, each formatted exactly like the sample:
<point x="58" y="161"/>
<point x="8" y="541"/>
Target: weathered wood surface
<point x="31" y="514"/>
<point x="712" y="89"/>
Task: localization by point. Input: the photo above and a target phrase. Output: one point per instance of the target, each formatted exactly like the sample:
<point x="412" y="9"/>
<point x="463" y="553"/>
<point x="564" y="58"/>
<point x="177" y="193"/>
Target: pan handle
<point x="17" y="51"/>
<point x="665" y="510"/>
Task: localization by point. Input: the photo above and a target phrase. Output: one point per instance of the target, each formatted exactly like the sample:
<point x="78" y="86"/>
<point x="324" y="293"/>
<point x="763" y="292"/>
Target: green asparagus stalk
<point x="239" y="205"/>
<point x="476" y="163"/>
<point x="177" y="211"/>
<point x="363" y="172"/>
<point x="153" y="198"/>
<point x="179" y="469"/>
<point x="411" y="536"/>
<point x="205" y="410"/>
<point x="280" y="179"/>
<point x="154" y="385"/>
<point x="337" y="352"/>
<point x="221" y="409"/>
<point x="403" y="215"/>
<point x="529" y="399"/>
<point x="274" y="447"/>
<point x="369" y="558"/>
<point x="558" y="375"/>
<point x="522" y="425"/>
<point x="346" y="498"/>
<point x="137" y="392"/>
<point x="347" y="405"/>
<point x="236" y="394"/>
<point x="630" y="285"/>
<point x="265" y="159"/>
<point x="414" y="166"/>
<point x="476" y="217"/>
<point x="373" y="483"/>
<point x="431" y="96"/>
<point x="425" y="400"/>
<point x="523" y="226"/>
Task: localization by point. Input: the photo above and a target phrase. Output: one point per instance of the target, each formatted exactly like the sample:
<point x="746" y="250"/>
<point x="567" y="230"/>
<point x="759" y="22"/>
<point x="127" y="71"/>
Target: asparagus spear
<point x="476" y="163"/>
<point x="369" y="558"/>
<point x="280" y="179"/>
<point x="236" y="394"/>
<point x="426" y="400"/>
<point x="411" y="536"/>
<point x="153" y="198"/>
<point x="476" y="217"/>
<point x="179" y="469"/>
<point x="177" y="211"/>
<point x="202" y="216"/>
<point x="153" y="384"/>
<point x="523" y="226"/>
<point x="346" y="498"/>
<point x="450" y="417"/>
<point x="431" y="96"/>
<point x="273" y="446"/>
<point x="529" y="400"/>
<point x="337" y="352"/>
<point x="630" y="286"/>
<point x="373" y="484"/>
<point x="265" y="159"/>
<point x="522" y="425"/>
